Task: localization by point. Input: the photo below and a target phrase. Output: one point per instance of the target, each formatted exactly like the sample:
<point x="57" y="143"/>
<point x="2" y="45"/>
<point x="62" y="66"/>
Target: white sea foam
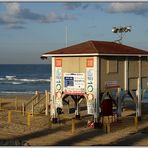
<point x="34" y="80"/>
<point x="10" y="77"/>
<point x="1" y="79"/>
<point x="16" y="83"/>
<point x="14" y="92"/>
<point x="15" y="80"/>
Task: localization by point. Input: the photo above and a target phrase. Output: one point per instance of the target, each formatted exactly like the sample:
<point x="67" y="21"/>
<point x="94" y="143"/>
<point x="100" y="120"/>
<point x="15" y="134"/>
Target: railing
<point x="33" y="100"/>
<point x="11" y="102"/>
<point x="37" y="104"/>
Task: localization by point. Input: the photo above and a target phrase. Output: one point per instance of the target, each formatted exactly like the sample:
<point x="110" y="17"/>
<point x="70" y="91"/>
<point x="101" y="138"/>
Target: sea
<point x="24" y="78"/>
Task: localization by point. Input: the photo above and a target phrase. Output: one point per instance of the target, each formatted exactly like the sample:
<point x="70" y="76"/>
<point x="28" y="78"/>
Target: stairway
<point x="37" y="104"/>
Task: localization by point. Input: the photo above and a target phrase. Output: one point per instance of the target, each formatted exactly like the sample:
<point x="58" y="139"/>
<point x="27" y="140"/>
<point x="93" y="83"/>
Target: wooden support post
<point x="29" y="119"/>
<point x="32" y="109"/>
<point x="50" y="123"/>
<point x="126" y="71"/>
<point x="136" y="123"/>
<point x="15" y="103"/>
<point x="37" y="98"/>
<point x="68" y="108"/>
<point x="139" y="90"/>
<point x="115" y="116"/>
<point x="23" y="108"/>
<point x="73" y="125"/>
<point x="9" y="116"/>
<point x="46" y="102"/>
<point x="119" y="110"/>
<point x="108" y="128"/>
<point x="0" y="103"/>
<point x="104" y="123"/>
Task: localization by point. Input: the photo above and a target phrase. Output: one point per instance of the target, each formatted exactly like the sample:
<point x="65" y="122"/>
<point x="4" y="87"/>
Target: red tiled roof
<point x="98" y="47"/>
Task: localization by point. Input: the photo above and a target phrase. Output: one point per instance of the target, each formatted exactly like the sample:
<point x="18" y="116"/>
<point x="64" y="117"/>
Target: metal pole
<point x="66" y="35"/>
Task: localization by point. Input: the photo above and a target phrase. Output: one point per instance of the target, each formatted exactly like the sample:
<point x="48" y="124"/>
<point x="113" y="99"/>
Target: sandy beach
<point x="42" y="133"/>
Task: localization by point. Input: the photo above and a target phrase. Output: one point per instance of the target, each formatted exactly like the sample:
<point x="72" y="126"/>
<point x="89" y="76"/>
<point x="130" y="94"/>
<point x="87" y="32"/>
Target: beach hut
<point x="88" y="69"/>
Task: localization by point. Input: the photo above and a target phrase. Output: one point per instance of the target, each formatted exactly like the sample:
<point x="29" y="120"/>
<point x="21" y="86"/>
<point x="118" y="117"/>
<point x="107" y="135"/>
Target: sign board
<point x="58" y="78"/>
<point x="74" y="83"/>
<point x="58" y="62"/>
<point x="90" y="62"/>
<point x="58" y="87"/>
<point x="89" y="80"/>
<point x="112" y="84"/>
<point x="90" y="85"/>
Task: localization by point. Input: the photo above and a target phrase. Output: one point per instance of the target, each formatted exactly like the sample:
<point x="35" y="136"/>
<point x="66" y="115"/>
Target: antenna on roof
<point x="121" y="32"/>
<point x="66" y="36"/>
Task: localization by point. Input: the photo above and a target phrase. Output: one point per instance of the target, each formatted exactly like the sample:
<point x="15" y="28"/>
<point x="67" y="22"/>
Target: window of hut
<point x="112" y="66"/>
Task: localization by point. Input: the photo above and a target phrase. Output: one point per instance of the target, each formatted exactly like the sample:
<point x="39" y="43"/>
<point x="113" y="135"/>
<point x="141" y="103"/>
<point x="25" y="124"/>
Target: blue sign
<point x="68" y="81"/>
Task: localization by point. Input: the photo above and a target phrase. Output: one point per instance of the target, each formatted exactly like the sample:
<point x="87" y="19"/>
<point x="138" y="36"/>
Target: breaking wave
<point x="16" y="81"/>
<point x="15" y="92"/>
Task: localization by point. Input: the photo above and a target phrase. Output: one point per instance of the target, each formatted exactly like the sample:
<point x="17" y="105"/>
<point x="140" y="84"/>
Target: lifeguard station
<point x="87" y="69"/>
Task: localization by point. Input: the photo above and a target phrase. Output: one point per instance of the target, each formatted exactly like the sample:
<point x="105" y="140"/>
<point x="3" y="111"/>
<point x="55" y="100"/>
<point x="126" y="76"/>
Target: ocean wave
<point x="16" y="83"/>
<point x="10" y="77"/>
<point x="15" y="92"/>
<point x="1" y="79"/>
<point x="34" y="80"/>
<point x="14" y="80"/>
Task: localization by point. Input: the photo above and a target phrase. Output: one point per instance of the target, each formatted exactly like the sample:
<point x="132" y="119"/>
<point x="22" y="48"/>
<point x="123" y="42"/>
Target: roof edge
<point x="95" y="54"/>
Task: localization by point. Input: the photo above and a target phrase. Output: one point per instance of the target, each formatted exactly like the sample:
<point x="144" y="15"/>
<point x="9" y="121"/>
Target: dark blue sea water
<point x="24" y="78"/>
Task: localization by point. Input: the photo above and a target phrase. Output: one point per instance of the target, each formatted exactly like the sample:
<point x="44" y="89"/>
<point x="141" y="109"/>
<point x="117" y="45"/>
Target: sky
<point x="29" y="29"/>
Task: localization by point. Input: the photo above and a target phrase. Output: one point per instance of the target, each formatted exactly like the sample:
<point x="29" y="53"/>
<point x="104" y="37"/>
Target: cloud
<point x="9" y="17"/>
<point x="12" y="8"/>
<point x="84" y="5"/>
<point x="75" y="5"/>
<point x="54" y="17"/>
<point x="72" y="5"/>
<point x="15" y="16"/>
<point x="15" y="27"/>
<point x="136" y="8"/>
<point x="29" y="15"/>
